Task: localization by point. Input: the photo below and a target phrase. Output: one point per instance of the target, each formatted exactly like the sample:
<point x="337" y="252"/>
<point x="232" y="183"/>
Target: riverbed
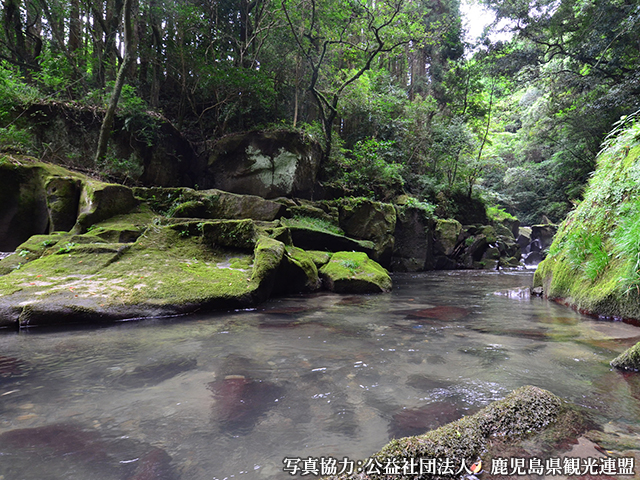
<point x="229" y="395"/>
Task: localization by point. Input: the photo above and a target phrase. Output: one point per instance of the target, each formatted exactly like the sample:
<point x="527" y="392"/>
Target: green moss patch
<point x="446" y="235"/>
<point x="162" y="273"/>
<point x="298" y="272"/>
<point x="594" y="261"/>
<point x="319" y="258"/>
<point x="354" y="272"/>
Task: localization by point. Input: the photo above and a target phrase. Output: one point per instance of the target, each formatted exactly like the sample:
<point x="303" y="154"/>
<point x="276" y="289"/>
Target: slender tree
<point x="107" y="123"/>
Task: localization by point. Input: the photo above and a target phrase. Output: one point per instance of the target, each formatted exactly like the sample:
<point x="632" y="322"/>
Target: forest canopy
<point x="398" y="100"/>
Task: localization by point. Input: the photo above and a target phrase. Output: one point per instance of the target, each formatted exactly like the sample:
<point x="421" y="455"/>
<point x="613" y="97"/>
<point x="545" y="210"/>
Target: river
<point x="229" y="395"/>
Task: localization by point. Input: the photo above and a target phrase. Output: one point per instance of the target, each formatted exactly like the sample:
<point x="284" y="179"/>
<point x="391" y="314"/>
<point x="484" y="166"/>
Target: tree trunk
<point x="107" y="123"/>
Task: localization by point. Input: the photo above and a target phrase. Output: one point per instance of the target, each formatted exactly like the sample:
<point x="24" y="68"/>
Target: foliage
<point x="386" y="87"/>
<point x="595" y="256"/>
<point x="498" y="214"/>
<point x="575" y="63"/>
<point x="369" y="170"/>
<point x="16" y="140"/>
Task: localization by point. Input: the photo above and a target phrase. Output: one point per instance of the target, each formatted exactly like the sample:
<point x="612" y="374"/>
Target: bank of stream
<point x="229" y="395"/>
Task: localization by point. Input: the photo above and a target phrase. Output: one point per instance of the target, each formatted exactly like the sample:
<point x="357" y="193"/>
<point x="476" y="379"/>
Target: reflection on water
<point x="230" y="395"/>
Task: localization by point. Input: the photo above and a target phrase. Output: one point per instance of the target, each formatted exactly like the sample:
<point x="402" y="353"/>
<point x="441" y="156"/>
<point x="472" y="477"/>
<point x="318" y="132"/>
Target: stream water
<point x="229" y="395"/>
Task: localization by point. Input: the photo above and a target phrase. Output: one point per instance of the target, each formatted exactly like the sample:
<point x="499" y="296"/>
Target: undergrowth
<point x="599" y="242"/>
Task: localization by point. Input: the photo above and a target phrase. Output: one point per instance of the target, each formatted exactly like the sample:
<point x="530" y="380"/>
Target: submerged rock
<point x="96" y="453"/>
<point x="154" y="465"/>
<point x="241" y="401"/>
<point x="154" y="373"/>
<point x="444" y="313"/>
<point x="12" y="369"/>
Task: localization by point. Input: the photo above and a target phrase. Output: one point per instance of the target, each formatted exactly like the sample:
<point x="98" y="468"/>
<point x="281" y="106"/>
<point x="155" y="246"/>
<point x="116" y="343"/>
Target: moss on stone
<point x="366" y="219"/>
<point x="355" y="272"/>
<point x="299" y="272"/>
<point x="446" y="234"/>
<point x="523" y="412"/>
<point x="629" y="359"/>
<point x="319" y="258"/>
<point x="161" y="273"/>
<point x="100" y="201"/>
<point x="282" y="234"/>
<point x="63" y="199"/>
<point x="268" y="255"/>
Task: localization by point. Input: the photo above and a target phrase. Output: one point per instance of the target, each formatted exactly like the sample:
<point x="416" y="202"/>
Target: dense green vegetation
<point x="594" y="262"/>
<point x="399" y="101"/>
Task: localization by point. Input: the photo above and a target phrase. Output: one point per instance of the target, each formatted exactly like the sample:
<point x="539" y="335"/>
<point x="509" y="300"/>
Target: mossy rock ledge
<point x="525" y="412"/>
<point x="127" y="255"/>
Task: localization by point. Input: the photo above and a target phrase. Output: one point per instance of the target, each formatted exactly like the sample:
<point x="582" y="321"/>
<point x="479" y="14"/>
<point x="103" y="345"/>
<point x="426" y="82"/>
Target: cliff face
<point x="594" y="261"/>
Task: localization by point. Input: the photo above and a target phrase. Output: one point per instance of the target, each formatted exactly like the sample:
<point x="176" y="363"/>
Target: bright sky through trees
<point x="476" y="17"/>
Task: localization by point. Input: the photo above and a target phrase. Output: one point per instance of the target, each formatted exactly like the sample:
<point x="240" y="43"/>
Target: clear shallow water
<point x="230" y="395"/>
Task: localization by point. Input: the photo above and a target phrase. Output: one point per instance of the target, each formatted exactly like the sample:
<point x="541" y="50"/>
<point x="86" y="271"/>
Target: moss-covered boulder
<point x="593" y="261"/>
<point x="218" y="204"/>
<point x="354" y="272"/>
<point x="309" y="238"/>
<point x="298" y="272"/>
<point x="365" y="219"/>
<point x="320" y="259"/>
<point x="446" y="233"/>
<point x="265" y="163"/>
<point x="268" y="255"/>
<point x="23" y="203"/>
<point x="629" y="359"/>
<point x="100" y="201"/>
<point x="522" y="413"/>
<point x="63" y="201"/>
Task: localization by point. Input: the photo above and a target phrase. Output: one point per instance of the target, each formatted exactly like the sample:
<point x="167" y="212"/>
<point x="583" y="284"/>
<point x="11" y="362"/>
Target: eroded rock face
<point x="219" y="204"/>
<point x="267" y="164"/>
<point x="365" y="219"/>
<point x="413" y="245"/>
<point x="23" y="205"/>
<point x="63" y="201"/>
<point x="446" y="235"/>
